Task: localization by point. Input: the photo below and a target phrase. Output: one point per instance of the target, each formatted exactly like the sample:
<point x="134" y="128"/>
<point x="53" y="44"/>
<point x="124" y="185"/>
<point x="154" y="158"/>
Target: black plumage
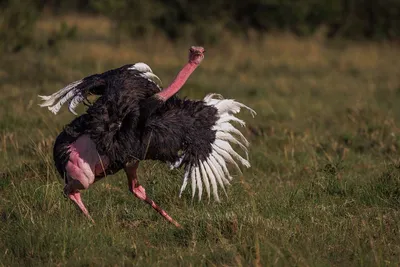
<point x="127" y="123"/>
<point x="134" y="119"/>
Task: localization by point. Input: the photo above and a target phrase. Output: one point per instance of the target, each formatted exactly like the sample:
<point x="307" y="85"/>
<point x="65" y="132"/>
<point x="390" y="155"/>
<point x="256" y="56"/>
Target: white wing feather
<point x="231" y="106"/>
<point x="212" y="181"/>
<point x="213" y="170"/>
<point x="228" y="137"/>
<point x="199" y="183"/>
<point x="212" y="162"/>
<point x="227" y="127"/>
<point x="222" y="163"/>
<point x="185" y="179"/>
<point x="214" y="177"/>
<point x="228" y="148"/>
<point x="70" y="92"/>
<point x="226" y="156"/>
<point x="193" y="178"/>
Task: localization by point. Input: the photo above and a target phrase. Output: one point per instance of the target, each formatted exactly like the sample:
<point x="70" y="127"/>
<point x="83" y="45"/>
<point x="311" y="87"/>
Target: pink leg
<point x="76" y="197"/>
<point x="83" y="164"/>
<point x="140" y="192"/>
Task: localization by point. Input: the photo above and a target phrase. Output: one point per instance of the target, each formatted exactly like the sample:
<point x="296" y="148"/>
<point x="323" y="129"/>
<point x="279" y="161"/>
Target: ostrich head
<point x="196" y="54"/>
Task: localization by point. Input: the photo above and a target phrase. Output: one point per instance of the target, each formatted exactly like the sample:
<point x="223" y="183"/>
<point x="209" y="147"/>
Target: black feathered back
<point x="126" y="122"/>
<point x="180" y="127"/>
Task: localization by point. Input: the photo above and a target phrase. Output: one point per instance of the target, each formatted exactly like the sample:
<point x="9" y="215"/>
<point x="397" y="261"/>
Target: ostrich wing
<point x="97" y="84"/>
<point x="213" y="166"/>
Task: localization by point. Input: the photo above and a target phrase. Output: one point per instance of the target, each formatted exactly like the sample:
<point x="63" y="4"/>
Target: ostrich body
<point x="135" y="119"/>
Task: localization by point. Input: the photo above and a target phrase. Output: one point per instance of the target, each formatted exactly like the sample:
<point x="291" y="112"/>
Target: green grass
<point x="323" y="189"/>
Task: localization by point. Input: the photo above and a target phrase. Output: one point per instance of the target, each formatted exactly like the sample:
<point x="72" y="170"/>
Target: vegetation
<point x="17" y="20"/>
<point x="323" y="189"/>
<point x="204" y="21"/>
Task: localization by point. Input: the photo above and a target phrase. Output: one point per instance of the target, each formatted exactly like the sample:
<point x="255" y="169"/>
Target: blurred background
<point x="205" y="21"/>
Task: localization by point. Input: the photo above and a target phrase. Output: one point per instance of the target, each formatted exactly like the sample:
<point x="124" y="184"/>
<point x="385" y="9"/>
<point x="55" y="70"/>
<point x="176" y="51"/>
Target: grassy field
<point x="323" y="189"/>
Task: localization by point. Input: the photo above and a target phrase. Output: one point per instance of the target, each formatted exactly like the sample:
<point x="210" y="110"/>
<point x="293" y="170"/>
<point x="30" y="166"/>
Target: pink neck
<point x="179" y="81"/>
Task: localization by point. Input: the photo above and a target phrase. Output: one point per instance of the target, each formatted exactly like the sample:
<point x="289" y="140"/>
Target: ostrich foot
<point x="76" y="197"/>
<point x="140" y="193"/>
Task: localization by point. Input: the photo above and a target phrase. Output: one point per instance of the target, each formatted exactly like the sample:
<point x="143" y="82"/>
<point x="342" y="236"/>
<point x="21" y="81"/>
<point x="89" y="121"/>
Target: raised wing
<point x="213" y="170"/>
<point x="78" y="91"/>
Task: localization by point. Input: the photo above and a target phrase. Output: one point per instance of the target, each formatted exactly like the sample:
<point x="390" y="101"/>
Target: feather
<point x="215" y="166"/>
<point x="49" y="100"/>
<point x="228" y="148"/>
<point x="75" y="102"/>
<point x="214" y="169"/>
<point x="185" y="179"/>
<point x="227" y="127"/>
<point x="177" y="163"/>
<point x="141" y="67"/>
<point x="44" y="98"/>
<point x="56" y="108"/>
<point x="226" y="156"/>
<point x="199" y="183"/>
<point x="146" y="72"/>
<point x="71" y="90"/>
<point x="228" y="117"/>
<point x="231" y="106"/>
<point x="205" y="180"/>
<point x="214" y="177"/>
<point x="212" y="181"/>
<point x="152" y="77"/>
<point x="222" y="163"/>
<point x="209" y="97"/>
<point x="193" y="178"/>
<point x="228" y="137"/>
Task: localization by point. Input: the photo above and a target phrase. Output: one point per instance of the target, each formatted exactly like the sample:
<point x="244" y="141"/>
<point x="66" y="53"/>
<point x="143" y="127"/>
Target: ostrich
<point x="135" y="119"/>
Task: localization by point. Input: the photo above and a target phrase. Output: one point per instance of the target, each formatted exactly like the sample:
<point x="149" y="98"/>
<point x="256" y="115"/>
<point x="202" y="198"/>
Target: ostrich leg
<point x="71" y="189"/>
<point x="140" y="192"/>
<point x="76" y="197"/>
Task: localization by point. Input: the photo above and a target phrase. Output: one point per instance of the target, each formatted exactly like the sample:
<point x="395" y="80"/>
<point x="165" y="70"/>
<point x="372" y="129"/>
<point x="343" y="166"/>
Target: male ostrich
<point x="135" y="119"/>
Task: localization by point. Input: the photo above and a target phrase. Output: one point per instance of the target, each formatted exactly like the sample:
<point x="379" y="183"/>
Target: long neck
<point x="179" y="81"/>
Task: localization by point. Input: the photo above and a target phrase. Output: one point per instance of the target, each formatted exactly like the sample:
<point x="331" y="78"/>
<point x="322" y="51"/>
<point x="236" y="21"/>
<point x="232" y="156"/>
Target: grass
<point x="323" y="189"/>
